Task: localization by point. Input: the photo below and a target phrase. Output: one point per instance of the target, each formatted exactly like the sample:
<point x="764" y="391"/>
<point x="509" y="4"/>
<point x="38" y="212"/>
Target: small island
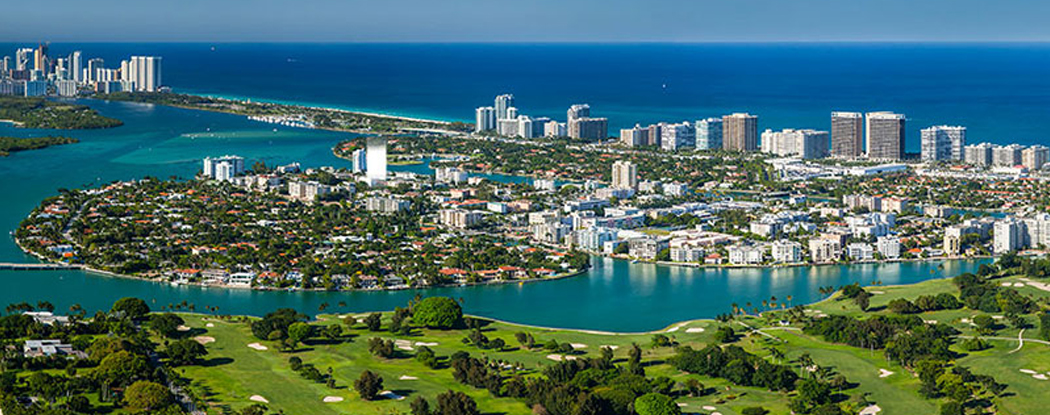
<point x="45" y="114"/>
<point x="10" y="145"/>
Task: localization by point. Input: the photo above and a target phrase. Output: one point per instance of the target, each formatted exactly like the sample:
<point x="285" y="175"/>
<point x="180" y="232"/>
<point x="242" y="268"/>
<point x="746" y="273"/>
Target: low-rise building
<point x="459" y="218"/>
<point x="648" y="247"/>
<point x="786" y="251"/>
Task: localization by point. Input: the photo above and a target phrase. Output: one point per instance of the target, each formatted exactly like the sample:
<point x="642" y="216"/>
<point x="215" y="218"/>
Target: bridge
<point x="14" y="266"/>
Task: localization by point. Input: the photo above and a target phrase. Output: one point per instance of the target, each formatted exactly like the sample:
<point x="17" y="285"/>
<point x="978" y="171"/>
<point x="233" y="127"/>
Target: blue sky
<point x="525" y="20"/>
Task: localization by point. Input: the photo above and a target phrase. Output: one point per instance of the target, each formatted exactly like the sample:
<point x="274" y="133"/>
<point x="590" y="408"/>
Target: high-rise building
<point x="709" y="134"/>
<point x="376" y="159"/>
<point x="145" y="72"/>
<point x="503" y="102"/>
<point x="807" y="144"/>
<point x="1035" y="157"/>
<point x="678" y="136"/>
<point x="740" y="132"/>
<point x="978" y="154"/>
<point x="634" y="137"/>
<point x="847" y="134"/>
<point x="885" y="135"/>
<point x="23" y="57"/>
<point x="589" y="128"/>
<point x="1007" y="156"/>
<point x="66" y="88"/>
<point x="360" y="161"/>
<point x="525" y="127"/>
<point x="655" y="132"/>
<point x="624" y="175"/>
<point x="76" y="64"/>
<point x="507" y="127"/>
<point x="40" y="62"/>
<point x="223" y="168"/>
<point x="943" y="143"/>
<point x="484" y="119"/>
<point x="578" y="111"/>
<point x="94" y="66"/>
<point x="35" y="88"/>
<point x="1007" y="235"/>
<point x="555" y="129"/>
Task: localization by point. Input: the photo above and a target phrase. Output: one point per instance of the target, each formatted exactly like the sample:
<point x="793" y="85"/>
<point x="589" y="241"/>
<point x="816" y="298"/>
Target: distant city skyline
<point x="534" y="21"/>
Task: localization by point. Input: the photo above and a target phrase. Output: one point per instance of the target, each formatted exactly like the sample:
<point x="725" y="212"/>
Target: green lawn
<point x="233" y="372"/>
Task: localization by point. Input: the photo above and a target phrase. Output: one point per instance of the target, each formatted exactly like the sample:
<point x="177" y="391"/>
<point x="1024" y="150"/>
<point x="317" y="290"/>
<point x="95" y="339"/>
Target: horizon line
<point x="555" y="42"/>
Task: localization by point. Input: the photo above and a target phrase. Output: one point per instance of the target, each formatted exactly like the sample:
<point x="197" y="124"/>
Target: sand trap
<point x="675" y="328"/>
<point x="1006" y="284"/>
<point x="182" y="328"/>
<point x="570" y="357"/>
<point x="930" y="321"/>
<point x="716" y="413"/>
<point x="877" y="292"/>
<point x="708" y="408"/>
<point x="884" y="373"/>
<point x="578" y="345"/>
<point x="1040" y="377"/>
<point x="431" y="344"/>
<point x="407" y="377"/>
<point x="681" y="405"/>
<point x="870" y="410"/>
<point x="1018" y="284"/>
<point x="611" y="347"/>
<point x="694" y="330"/>
<point x="257" y="346"/>
<point x="403" y="345"/>
<point x="204" y="339"/>
<point x="998" y="317"/>
<point x="257" y="398"/>
<point x="554" y="357"/>
<point x="391" y="395"/>
<point x="1028" y="371"/>
<point x="965" y="321"/>
<point x="332" y="399"/>
<point x="209" y="325"/>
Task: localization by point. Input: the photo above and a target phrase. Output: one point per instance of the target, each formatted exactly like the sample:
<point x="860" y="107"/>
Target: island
<point x="46" y="114"/>
<point x="10" y="145"/>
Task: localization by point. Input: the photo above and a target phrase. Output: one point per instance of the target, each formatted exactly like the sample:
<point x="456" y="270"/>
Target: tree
<point x="131" y="307"/>
<point x="455" y="403"/>
<point x="754" y="410"/>
<point x="166" y="324"/>
<point x="437" y="313"/>
<point x="144" y="396"/>
<point x="420" y="406"/>
<point x="121" y="368"/>
<point x="297" y="332"/>
<point x="78" y="403"/>
<point x="985" y="324"/>
<point x="656" y="404"/>
<point x="368" y="385"/>
<point x="951" y="408"/>
<point x="185" y="352"/>
<point x="374" y="321"/>
<point x="254" y="409"/>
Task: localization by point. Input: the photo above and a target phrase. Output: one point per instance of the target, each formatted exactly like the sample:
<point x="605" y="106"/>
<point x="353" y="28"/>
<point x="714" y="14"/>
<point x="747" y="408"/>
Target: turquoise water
<point x="160" y="141"/>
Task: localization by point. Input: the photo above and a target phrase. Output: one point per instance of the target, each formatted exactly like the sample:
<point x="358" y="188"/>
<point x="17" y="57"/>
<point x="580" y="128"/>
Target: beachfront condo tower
<point x="376" y="159"/>
<point x="484" y="119"/>
<point x="885" y="140"/>
<point x="943" y="143"/>
<point x="503" y="103"/>
<point x="624" y="175"/>
<point x="847" y="134"/>
<point x="709" y="134"/>
<point x="740" y="132"/>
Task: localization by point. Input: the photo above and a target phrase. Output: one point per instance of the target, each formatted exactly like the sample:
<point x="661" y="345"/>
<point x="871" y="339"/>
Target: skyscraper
<point x="485" y="119"/>
<point x="1035" y="157"/>
<point x="634" y="137"/>
<point x="807" y="144"/>
<point x="22" y="58"/>
<point x="503" y="102"/>
<point x="885" y="135"/>
<point x="1007" y="156"/>
<point x="847" y="134"/>
<point x="678" y="136"/>
<point x="145" y="72"/>
<point x="942" y="143"/>
<point x="360" y="161"/>
<point x="589" y="128"/>
<point x="709" y="134"/>
<point x="376" y="159"/>
<point x="740" y="132"/>
<point x="578" y="111"/>
<point x="979" y="154"/>
<point x="40" y="58"/>
<point x="624" y="175"/>
<point x="76" y="64"/>
<point x="94" y="66"/>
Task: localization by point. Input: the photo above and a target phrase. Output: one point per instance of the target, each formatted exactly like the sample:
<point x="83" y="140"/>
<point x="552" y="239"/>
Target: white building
<point x="503" y="104"/>
<point x="450" y="175"/>
<point x="978" y="154"/>
<point x="145" y="72"/>
<point x="555" y="129"/>
<point x="1007" y="156"/>
<point x="1035" y="157"/>
<point x="376" y="159"/>
<point x="223" y="168"/>
<point x="634" y="137"/>
<point x="889" y="247"/>
<point x="709" y="134"/>
<point x="484" y="119"/>
<point x="624" y="175"/>
<point x="1008" y="235"/>
<point x="859" y="251"/>
<point x="360" y="161"/>
<point x="807" y="144"/>
<point x="307" y="191"/>
<point x="943" y="143"/>
<point x="458" y="218"/>
<point x="386" y="204"/>
<point x="745" y="254"/>
<point x="787" y="252"/>
<point x="678" y="136"/>
<point x="824" y="250"/>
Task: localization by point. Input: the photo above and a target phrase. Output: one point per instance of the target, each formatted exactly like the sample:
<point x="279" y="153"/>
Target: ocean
<point x="1000" y="92"/>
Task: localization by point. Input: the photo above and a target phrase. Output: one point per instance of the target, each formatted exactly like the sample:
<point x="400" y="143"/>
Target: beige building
<point x="740" y="132"/>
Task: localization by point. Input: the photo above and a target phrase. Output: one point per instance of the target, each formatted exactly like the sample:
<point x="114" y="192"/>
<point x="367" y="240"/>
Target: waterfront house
<point x="241" y="279"/>
<point x="46" y="317"/>
<point x="215" y="276"/>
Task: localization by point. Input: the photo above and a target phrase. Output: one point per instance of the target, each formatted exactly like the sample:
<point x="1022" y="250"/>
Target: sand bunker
<point x="430" y="344"/>
<point x="332" y="399"/>
<point x="1040" y="377"/>
<point x="611" y="347"/>
<point x="877" y="292"/>
<point x="391" y="395"/>
<point x="1028" y="371"/>
<point x="257" y="398"/>
<point x="578" y="345"/>
<point x="694" y="330"/>
<point x="709" y="408"/>
<point x="204" y="339"/>
<point x="257" y="346"/>
<point x="209" y="325"/>
<point x="554" y="357"/>
<point x="870" y="410"/>
<point x="884" y="373"/>
<point x="182" y="328"/>
<point x="407" y="377"/>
